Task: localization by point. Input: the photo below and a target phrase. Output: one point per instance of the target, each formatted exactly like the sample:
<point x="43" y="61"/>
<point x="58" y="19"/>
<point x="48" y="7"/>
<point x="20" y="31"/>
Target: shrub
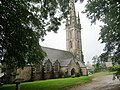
<point x="114" y="68"/>
<point x="77" y="74"/>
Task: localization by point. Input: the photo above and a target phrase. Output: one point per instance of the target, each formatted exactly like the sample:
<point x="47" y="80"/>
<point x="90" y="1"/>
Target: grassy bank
<point x="54" y="84"/>
<point x="101" y="74"/>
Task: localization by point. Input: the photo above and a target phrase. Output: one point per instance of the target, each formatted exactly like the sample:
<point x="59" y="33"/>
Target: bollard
<point x="17" y="85"/>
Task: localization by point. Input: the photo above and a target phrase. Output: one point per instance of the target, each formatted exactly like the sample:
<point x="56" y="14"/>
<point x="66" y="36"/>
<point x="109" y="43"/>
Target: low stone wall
<point x="84" y="71"/>
<point x="48" y="75"/>
<point x="56" y="74"/>
<point x="37" y="76"/>
<point x="24" y="73"/>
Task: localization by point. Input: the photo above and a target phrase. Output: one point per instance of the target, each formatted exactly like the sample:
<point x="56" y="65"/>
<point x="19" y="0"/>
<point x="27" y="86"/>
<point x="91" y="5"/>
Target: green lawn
<point x="54" y="84"/>
<point x="101" y="74"/>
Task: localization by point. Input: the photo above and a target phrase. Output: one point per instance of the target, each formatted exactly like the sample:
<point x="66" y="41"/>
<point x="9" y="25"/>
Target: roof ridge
<point x="55" y="49"/>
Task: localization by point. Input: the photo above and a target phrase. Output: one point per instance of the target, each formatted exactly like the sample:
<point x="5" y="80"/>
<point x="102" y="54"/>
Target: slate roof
<point x="81" y="64"/>
<point x="64" y="57"/>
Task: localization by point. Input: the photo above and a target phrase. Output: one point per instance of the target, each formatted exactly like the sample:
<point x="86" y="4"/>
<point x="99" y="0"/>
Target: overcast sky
<point x="90" y="34"/>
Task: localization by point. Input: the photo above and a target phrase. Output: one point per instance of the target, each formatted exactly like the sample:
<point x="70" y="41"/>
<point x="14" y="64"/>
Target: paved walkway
<point x="100" y="83"/>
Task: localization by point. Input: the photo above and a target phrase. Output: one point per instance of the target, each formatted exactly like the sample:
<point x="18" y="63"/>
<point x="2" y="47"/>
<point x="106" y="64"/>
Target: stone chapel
<point x="60" y="63"/>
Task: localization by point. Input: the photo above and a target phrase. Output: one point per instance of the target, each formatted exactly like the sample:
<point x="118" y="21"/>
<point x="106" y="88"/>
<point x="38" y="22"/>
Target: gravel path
<point x="100" y="83"/>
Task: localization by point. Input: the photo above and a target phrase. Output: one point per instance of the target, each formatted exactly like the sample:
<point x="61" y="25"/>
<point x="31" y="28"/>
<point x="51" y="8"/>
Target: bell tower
<point x="73" y="33"/>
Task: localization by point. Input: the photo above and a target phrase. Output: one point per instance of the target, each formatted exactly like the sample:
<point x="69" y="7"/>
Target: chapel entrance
<point x="73" y="71"/>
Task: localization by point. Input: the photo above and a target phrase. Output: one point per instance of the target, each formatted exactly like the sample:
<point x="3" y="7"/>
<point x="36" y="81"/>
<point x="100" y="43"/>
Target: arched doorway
<point x="73" y="71"/>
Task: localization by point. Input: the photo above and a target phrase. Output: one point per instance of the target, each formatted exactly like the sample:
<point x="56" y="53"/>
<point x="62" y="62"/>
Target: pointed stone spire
<point x="72" y="12"/>
<point x="73" y="33"/>
<point x="79" y="24"/>
<point x="78" y="18"/>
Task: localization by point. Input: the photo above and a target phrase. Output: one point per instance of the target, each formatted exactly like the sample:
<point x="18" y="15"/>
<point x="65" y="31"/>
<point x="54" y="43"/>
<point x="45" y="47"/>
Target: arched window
<point x="70" y="34"/>
<point x="78" y="44"/>
<point x="56" y="67"/>
<point x="48" y="67"/>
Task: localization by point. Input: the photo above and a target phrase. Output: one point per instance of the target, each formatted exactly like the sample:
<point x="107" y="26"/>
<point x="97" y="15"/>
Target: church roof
<point x="64" y="57"/>
<point x="81" y="64"/>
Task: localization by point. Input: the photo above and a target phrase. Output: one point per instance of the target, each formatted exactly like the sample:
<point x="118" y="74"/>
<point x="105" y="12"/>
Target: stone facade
<point x="24" y="74"/>
<point x="65" y="66"/>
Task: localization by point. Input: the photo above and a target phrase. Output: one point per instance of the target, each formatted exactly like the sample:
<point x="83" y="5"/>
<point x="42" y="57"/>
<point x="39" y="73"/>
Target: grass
<point x="101" y="74"/>
<point x="54" y="84"/>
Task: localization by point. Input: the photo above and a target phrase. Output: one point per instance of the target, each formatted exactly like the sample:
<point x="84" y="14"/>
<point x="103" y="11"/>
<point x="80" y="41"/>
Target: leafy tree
<point x="99" y="62"/>
<point x="103" y="57"/>
<point x="107" y="11"/>
<point x="95" y="58"/>
<point x="22" y="24"/>
<point x="96" y="63"/>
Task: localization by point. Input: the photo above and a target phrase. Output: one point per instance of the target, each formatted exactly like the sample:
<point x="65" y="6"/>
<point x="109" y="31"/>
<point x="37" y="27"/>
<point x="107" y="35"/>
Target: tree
<point x="95" y="59"/>
<point x="98" y="64"/>
<point x="103" y="57"/>
<point x="107" y="11"/>
<point x="22" y="24"/>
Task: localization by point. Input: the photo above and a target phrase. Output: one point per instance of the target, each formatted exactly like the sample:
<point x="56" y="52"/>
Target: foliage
<point x="77" y="75"/>
<point x="99" y="62"/>
<point x="107" y="11"/>
<point x="96" y="64"/>
<point x="103" y="57"/>
<point x="0" y="66"/>
<point x="97" y="67"/>
<point x="95" y="59"/>
<point x="22" y="24"/>
<point x="114" y="68"/>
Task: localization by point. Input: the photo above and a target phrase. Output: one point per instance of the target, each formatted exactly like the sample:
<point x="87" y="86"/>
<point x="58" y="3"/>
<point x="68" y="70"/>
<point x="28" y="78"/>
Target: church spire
<point x="78" y="17"/>
<point x="79" y="24"/>
<point x="72" y="12"/>
<point x="73" y="33"/>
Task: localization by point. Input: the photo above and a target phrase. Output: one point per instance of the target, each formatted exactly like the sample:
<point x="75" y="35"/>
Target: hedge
<point x="114" y="68"/>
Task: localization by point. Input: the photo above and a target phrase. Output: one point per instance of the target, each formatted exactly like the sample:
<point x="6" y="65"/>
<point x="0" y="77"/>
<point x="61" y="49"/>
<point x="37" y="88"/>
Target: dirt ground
<point x="100" y="83"/>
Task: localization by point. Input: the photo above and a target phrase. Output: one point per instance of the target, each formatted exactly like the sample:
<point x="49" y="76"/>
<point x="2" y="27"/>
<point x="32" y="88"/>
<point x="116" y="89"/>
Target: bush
<point x="77" y="74"/>
<point x="114" y="68"/>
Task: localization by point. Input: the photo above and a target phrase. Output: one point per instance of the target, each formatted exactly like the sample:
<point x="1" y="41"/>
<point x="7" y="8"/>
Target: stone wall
<point x="64" y="71"/>
<point x="56" y="74"/>
<point x="48" y="75"/>
<point x="24" y="73"/>
<point x="84" y="71"/>
<point x="37" y="76"/>
<point x="28" y="73"/>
